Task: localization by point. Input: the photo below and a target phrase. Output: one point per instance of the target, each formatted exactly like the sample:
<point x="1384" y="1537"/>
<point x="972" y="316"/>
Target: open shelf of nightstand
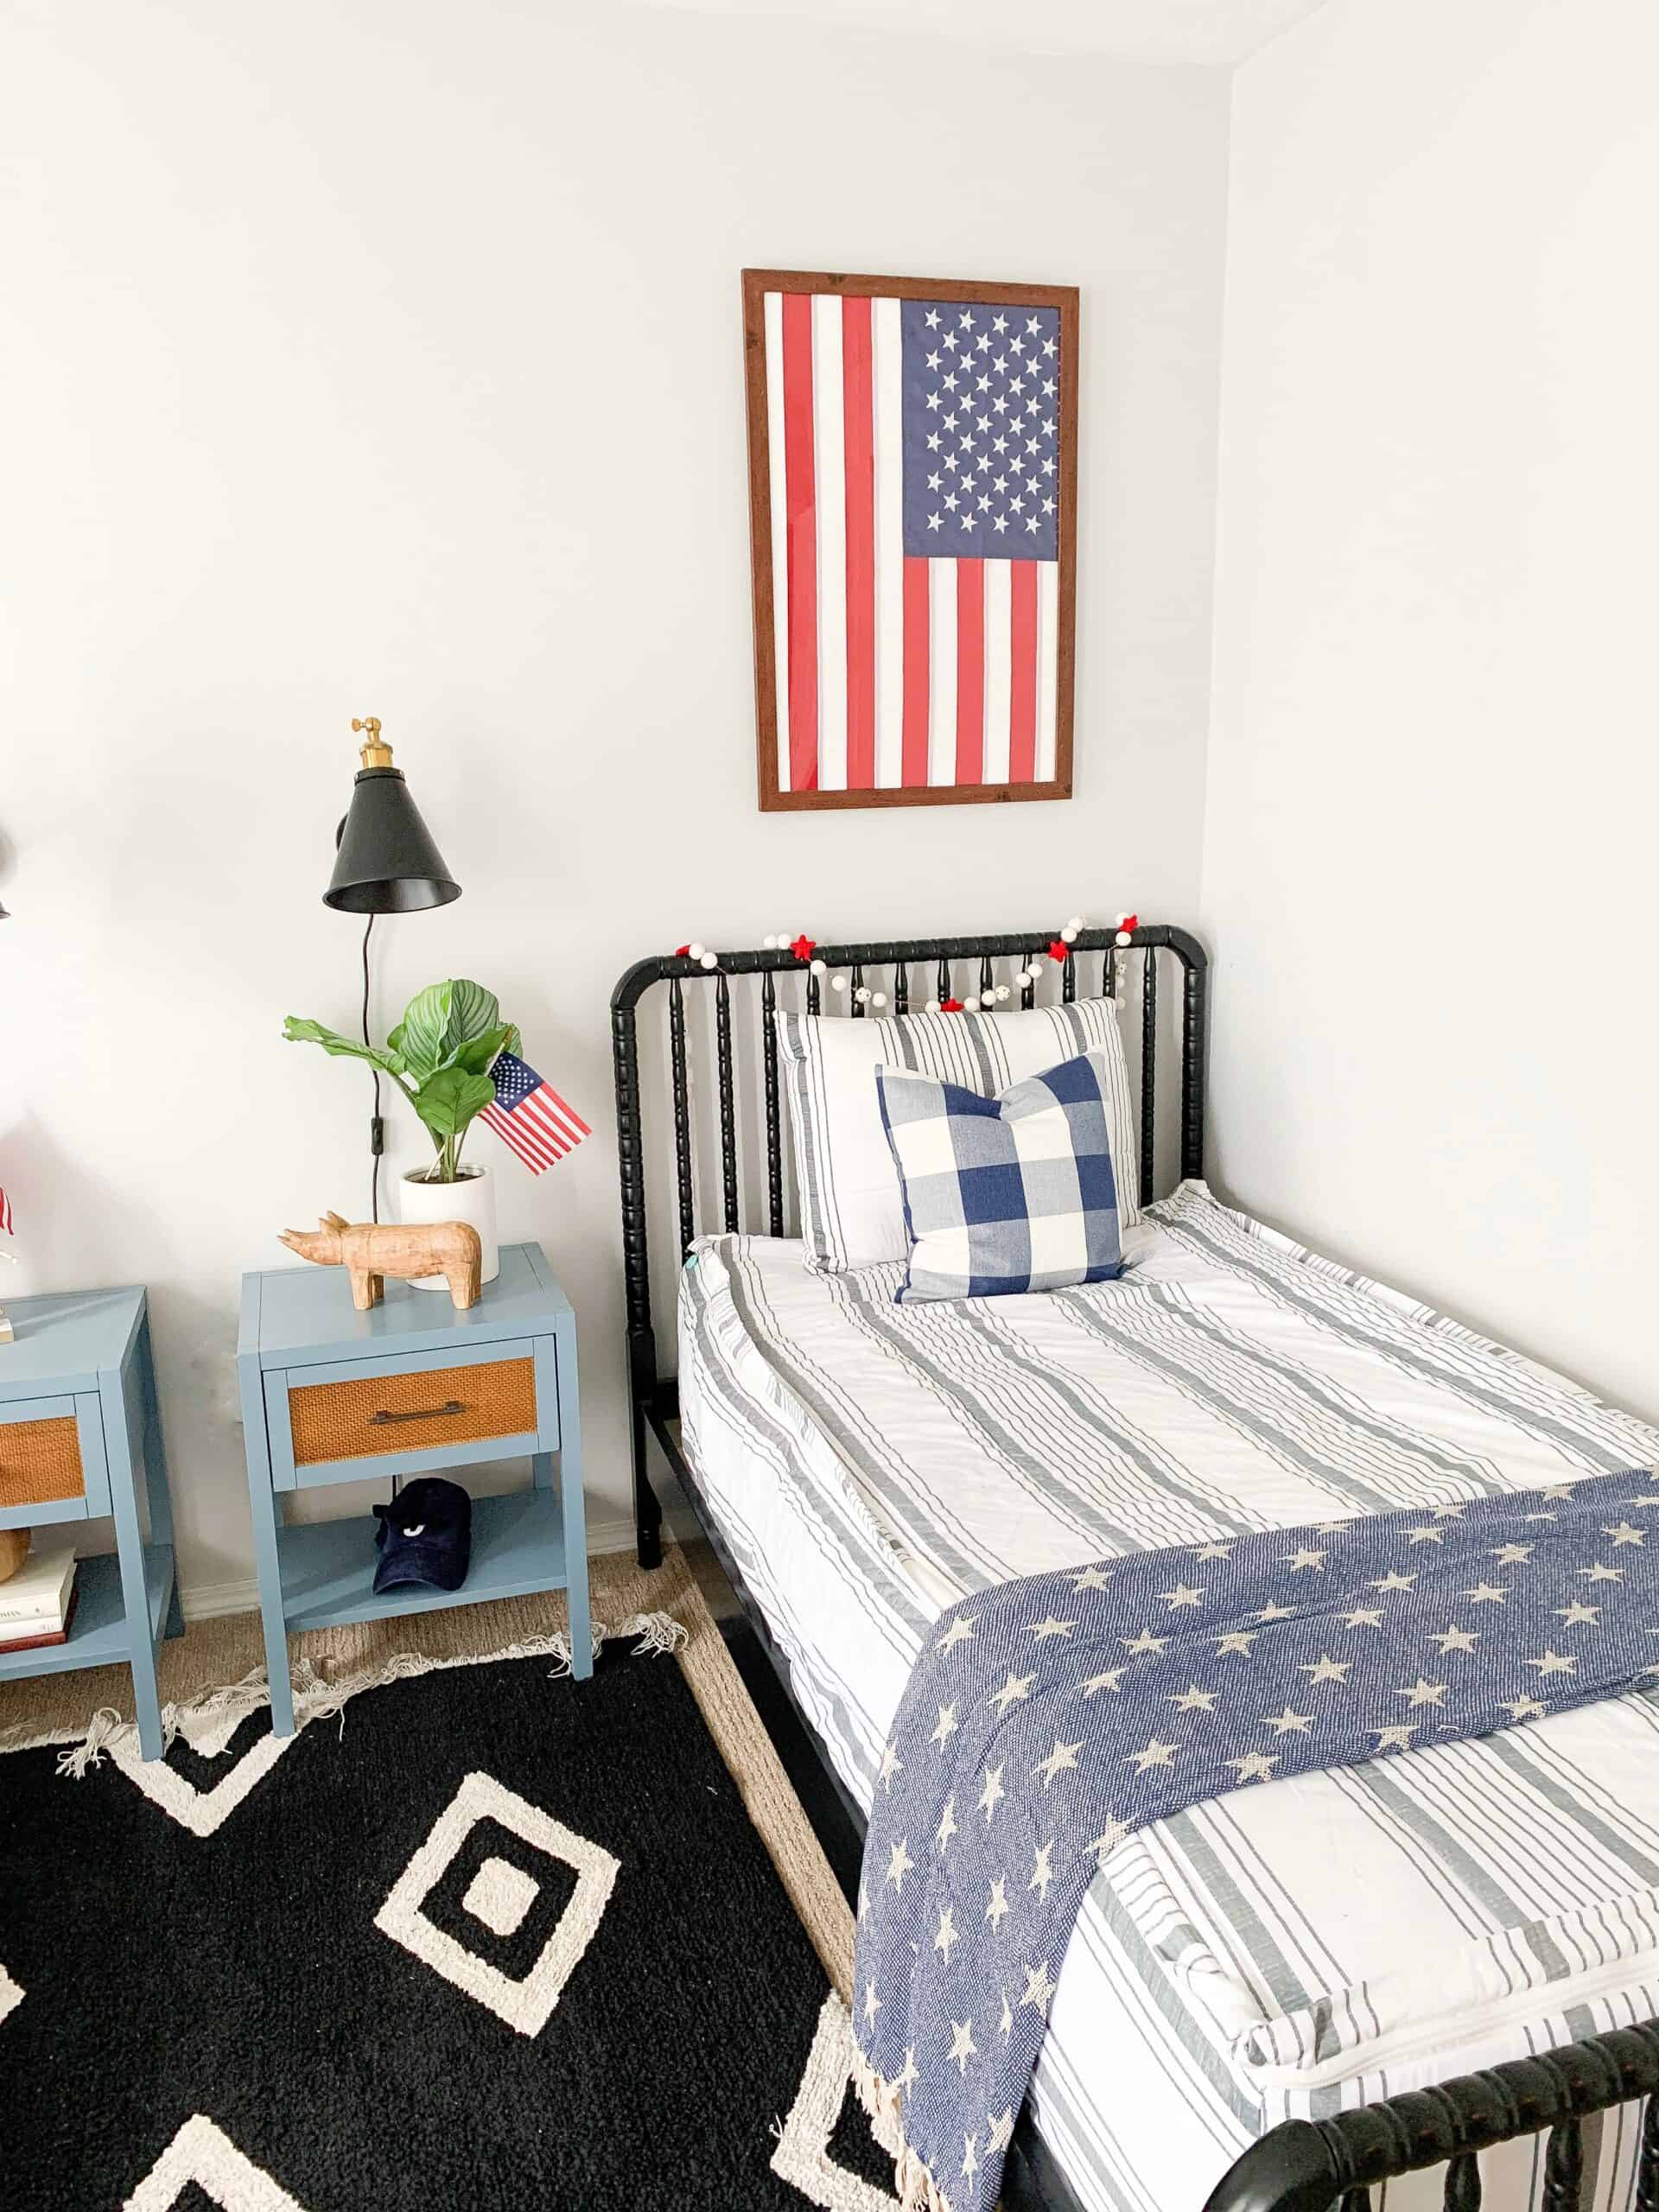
<point x="99" y="1634"/>
<point x="328" y="1567"/>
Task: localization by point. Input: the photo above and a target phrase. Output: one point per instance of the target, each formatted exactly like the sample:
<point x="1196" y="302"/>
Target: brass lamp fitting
<point x="374" y="754"/>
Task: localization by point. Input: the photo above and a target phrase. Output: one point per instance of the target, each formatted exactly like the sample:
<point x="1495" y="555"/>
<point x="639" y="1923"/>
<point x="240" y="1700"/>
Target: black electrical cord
<point x="374" y="1126"/>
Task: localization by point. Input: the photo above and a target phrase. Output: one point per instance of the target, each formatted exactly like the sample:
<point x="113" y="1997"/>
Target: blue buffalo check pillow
<point x="1004" y="1194"/>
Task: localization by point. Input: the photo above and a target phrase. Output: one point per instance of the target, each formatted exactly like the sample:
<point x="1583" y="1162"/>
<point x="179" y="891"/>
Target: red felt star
<point x="804" y="946"/>
<point x="952" y="1005"/>
<point x="682" y="952"/>
<point x="1059" y="949"/>
<point x="1130" y="922"/>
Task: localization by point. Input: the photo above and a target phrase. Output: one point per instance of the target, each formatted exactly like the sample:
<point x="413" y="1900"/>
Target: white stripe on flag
<point x="886" y="346"/>
<point x="998" y="614"/>
<point x="1048" y="665"/>
<point x="830" y="480"/>
<point x="773" y="305"/>
<point x="562" y="1132"/>
<point x="942" y="672"/>
<point x="532" y="1152"/>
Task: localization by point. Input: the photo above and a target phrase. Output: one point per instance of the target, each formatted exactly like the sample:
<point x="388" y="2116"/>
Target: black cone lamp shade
<point x="387" y="863"/>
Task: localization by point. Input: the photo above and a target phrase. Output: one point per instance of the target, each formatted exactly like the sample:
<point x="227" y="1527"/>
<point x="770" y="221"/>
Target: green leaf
<point x="448" y="1101"/>
<point x="301" y="1031"/>
<point x="421" y="1032"/>
<point x="473" y="1012"/>
<point x="479" y="1056"/>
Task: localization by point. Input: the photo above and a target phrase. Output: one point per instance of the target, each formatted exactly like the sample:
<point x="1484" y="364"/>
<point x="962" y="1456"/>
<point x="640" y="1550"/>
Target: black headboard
<point x="971" y="962"/>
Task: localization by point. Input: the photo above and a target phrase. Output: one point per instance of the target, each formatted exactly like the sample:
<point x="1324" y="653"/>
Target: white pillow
<point x="852" y="1214"/>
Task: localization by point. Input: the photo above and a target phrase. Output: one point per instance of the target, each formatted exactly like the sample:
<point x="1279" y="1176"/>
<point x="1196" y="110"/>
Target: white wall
<point x="385" y="358"/>
<point x="1432" y="773"/>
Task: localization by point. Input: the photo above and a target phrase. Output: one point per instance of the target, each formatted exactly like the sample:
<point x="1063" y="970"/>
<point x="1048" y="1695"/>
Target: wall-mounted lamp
<point x="386" y="861"/>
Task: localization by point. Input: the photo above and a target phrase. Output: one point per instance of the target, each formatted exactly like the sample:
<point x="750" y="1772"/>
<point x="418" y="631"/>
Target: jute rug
<point x="474" y="1935"/>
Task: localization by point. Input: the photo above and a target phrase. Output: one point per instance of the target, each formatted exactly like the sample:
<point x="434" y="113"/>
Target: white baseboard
<point x="207" y="1601"/>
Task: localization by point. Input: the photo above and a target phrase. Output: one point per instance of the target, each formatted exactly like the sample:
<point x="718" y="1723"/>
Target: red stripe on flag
<point x="549" y="1126"/>
<point x="970" y="672"/>
<point x="913" y="740"/>
<point x="535" y="1156"/>
<point x="569" y="1112"/>
<point x="1022" y="673"/>
<point x="801" y="508"/>
<point x="859" y="407"/>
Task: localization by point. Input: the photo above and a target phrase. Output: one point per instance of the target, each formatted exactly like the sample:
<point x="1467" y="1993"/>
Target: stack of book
<point x="37" y="1603"/>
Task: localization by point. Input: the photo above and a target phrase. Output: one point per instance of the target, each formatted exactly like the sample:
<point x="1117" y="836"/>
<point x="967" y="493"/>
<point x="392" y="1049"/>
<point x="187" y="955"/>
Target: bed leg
<point x="647" y="1513"/>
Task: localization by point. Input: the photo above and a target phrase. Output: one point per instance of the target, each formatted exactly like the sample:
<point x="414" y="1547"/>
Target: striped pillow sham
<point x="852" y="1215"/>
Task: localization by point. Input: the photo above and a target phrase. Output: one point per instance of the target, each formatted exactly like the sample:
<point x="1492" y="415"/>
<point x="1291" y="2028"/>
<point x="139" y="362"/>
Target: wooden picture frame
<point x="853" y="643"/>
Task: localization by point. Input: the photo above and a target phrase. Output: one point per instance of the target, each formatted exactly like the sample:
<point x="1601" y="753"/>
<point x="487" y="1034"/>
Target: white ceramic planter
<point x="472" y="1200"/>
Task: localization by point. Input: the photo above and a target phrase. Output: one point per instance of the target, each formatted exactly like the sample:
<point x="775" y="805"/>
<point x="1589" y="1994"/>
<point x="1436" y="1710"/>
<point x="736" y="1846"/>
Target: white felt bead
<point x="1123" y="938"/>
<point x="932" y="1005"/>
<point x="863" y="994"/>
<point x="1068" y="935"/>
<point x="838" y="983"/>
<point x="878" y="998"/>
<point x="820" y="967"/>
<point x="1002" y="991"/>
<point x="694" y="952"/>
<point x="709" y="960"/>
<point x="769" y="943"/>
<point x="1074" y="922"/>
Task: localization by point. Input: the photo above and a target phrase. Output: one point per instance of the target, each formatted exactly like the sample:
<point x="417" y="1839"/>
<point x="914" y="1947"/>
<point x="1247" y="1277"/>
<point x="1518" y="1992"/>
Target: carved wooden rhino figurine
<point x="372" y="1250"/>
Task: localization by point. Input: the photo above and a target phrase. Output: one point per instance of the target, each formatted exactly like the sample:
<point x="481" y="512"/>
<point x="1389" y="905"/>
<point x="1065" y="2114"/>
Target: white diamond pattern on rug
<point x="526" y="2005"/>
<point x="802" y="2158"/>
<point x="500" y="1896"/>
<point x="201" y="1811"/>
<point x="10" y="1995"/>
<point x="204" y="2154"/>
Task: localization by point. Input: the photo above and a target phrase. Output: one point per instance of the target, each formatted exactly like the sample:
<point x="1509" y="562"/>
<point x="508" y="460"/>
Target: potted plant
<point x="438" y="1058"/>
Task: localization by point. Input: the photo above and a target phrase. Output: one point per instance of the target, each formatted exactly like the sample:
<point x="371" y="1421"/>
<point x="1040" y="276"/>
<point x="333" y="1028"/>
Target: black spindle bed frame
<point x="1300" y="2166"/>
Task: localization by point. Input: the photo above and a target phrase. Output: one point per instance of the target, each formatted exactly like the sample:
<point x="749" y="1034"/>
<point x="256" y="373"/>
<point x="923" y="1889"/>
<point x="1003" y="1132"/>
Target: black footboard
<point x="1311" y="2165"/>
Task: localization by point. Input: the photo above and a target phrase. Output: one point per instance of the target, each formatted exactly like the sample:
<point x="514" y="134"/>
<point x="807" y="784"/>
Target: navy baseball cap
<point x="425" y="1536"/>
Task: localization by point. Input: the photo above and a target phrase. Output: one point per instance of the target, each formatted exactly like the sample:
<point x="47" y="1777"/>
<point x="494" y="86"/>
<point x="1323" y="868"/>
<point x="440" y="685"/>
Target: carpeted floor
<point x="488" y="1938"/>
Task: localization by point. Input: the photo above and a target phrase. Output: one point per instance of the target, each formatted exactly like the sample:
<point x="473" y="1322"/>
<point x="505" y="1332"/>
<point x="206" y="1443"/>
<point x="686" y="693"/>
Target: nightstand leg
<point x="129" y="1552"/>
<point x="576" y="1518"/>
<point x="156" y="1489"/>
<point x="265" y="1510"/>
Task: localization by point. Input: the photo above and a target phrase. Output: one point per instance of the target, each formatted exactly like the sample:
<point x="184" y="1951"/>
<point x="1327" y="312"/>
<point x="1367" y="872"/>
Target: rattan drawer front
<point x="40" y="1461"/>
<point x="436" y="1406"/>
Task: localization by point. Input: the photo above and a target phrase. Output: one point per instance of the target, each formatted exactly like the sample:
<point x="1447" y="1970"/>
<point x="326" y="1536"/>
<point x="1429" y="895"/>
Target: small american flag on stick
<point x="530" y="1115"/>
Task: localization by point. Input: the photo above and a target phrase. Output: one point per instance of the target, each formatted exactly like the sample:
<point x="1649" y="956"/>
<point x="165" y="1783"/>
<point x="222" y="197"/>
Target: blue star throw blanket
<point x="1049" y="1717"/>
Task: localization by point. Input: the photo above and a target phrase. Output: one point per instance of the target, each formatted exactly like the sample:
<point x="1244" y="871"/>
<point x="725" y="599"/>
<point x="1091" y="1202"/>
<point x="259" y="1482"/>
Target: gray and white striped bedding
<point x="1303" y="1946"/>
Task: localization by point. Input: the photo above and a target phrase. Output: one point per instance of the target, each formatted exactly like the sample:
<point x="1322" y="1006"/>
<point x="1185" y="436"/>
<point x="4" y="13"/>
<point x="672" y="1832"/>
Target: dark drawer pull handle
<point x="384" y="1420"/>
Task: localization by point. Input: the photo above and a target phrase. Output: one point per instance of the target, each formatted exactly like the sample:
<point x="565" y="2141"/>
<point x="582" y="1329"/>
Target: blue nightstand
<point x="78" y="1425"/>
<point x="410" y="1388"/>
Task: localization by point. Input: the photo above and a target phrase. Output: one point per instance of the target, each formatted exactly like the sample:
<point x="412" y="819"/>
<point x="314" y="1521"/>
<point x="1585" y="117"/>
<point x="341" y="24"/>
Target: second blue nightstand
<point x="79" y="1432"/>
<point x="412" y="1387"/>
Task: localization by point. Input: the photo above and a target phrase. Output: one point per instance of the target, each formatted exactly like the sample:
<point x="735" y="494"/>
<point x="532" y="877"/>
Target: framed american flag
<point x="913" y="511"/>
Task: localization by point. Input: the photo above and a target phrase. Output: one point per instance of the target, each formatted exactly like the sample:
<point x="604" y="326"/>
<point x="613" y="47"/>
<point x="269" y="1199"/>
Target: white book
<point x="39" y="1590"/>
<point x="21" y="1632"/>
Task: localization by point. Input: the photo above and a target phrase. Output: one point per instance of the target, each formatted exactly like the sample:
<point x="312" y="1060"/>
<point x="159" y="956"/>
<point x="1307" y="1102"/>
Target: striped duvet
<point x="1301" y="1947"/>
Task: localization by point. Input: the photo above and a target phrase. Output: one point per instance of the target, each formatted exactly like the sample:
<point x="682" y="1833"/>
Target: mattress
<point x="1289" y="1950"/>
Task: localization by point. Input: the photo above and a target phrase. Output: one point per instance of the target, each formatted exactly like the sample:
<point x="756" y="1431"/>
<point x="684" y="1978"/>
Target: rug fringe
<point x="209" y="1723"/>
<point x="106" y="1724"/>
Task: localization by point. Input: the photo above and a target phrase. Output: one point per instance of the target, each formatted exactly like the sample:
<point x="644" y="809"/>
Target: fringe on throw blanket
<point x="915" y="2186"/>
<point x="208" y="1724"/>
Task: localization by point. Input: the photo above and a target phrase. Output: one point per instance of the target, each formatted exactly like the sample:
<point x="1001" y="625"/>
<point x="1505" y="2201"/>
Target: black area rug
<point x="509" y="1942"/>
